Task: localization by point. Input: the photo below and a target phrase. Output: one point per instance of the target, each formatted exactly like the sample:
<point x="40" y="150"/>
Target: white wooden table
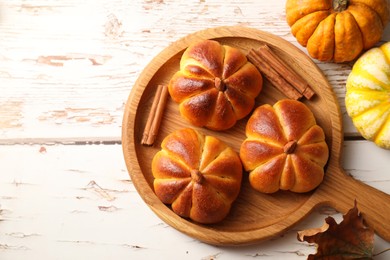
<point x="66" y="70"/>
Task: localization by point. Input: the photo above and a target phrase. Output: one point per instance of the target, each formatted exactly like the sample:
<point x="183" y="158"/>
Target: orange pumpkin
<point x="337" y="30"/>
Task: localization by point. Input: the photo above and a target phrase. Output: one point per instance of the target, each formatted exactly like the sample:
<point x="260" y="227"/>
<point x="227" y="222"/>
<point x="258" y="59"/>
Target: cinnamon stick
<point x="270" y="73"/>
<point x="288" y="73"/>
<point x="155" y="115"/>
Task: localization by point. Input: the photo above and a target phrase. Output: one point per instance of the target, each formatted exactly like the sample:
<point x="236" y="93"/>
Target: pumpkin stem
<point x="219" y="84"/>
<point x="290" y="147"/>
<point x="340" y="5"/>
<point x="197" y="176"/>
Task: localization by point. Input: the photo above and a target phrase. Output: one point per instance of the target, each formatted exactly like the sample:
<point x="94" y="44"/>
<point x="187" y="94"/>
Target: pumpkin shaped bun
<point x="284" y="149"/>
<point x="215" y="86"/>
<point x="337" y="30"/>
<point x="200" y="176"/>
<point x="367" y="99"/>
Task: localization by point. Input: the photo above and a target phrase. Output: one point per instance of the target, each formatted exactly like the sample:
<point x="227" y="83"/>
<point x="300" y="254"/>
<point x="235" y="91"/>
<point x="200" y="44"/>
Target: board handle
<point x="372" y="203"/>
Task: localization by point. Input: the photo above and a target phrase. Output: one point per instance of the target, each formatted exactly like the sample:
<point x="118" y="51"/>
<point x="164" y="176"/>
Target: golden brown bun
<point x="200" y="176"/>
<point x="215" y="86"/>
<point x="285" y="148"/>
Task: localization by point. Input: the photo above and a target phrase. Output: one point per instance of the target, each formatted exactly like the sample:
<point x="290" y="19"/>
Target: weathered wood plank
<point x="66" y="68"/>
<point x="66" y="202"/>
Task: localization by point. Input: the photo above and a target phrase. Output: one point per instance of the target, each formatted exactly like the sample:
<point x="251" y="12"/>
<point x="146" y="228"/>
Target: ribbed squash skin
<point x="337" y="30"/>
<point x="367" y="98"/>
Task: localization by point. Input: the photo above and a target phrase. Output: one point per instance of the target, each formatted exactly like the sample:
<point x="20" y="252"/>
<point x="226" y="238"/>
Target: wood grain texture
<point x="254" y="217"/>
<point x="66" y="70"/>
<point x="55" y="55"/>
<point x="65" y="202"/>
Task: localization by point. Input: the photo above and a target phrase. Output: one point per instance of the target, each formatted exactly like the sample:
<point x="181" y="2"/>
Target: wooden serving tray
<point x="254" y="216"/>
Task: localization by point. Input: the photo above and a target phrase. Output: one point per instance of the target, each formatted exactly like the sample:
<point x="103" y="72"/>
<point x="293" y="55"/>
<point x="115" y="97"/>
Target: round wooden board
<point x="254" y="216"/>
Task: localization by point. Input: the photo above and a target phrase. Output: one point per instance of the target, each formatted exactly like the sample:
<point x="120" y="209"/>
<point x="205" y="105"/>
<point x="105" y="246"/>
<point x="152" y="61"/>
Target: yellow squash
<point x="368" y="95"/>
<point x="337" y="30"/>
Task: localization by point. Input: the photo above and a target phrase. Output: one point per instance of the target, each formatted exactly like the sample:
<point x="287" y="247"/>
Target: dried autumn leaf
<point x="351" y="239"/>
